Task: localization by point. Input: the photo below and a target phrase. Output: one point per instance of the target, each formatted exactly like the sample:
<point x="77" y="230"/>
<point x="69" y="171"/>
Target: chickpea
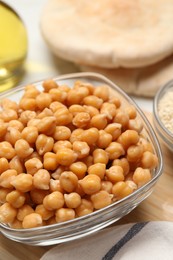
<point x="27" y="103"/>
<point x="93" y="111"/>
<point x="22" y="182"/>
<point x="12" y="135"/>
<point x="62" y="133"/>
<point x="61" y="144"/>
<point x="134" y="153"/>
<point x="102" y="92"/>
<point x="100" y="156"/>
<point x="78" y="168"/>
<point x="76" y="135"/>
<point x="58" y="95"/>
<point x="127" y="138"/>
<point x="3" y="128"/>
<point x="115" y="174"/>
<point x="83" y="91"/>
<point x="53" y="201"/>
<point x="8" y="115"/>
<point x="26" y="116"/>
<point x="45" y="113"/>
<point x="9" y="104"/>
<point x="123" y="162"/>
<point x="93" y="101"/>
<point x="16" y="198"/>
<point x="34" y="155"/>
<point x="72" y="200"/>
<point x="23" y="148"/>
<point x="135" y="124"/>
<point x="84" y="208"/>
<point x="109" y="110"/>
<point x="75" y="109"/>
<point x="122" y="118"/>
<point x="49" y="84"/>
<point x="56" y="174"/>
<point x="115" y="150"/>
<point x="81" y="149"/>
<point x="64" y="88"/>
<point x="6" y="150"/>
<point x="131" y="184"/>
<point x="81" y="120"/>
<point x="33" y="165"/>
<point x="91" y="184"/>
<point x="90" y="136"/>
<point x="141" y="176"/>
<point x="104" y="139"/>
<point x="79" y="190"/>
<point x="31" y="91"/>
<point x="43" y="212"/>
<point x="73" y="97"/>
<point x="66" y="156"/>
<point x="55" y="105"/>
<point x="50" y="161"/>
<point x="43" y="100"/>
<point x="64" y="214"/>
<point x="114" y="129"/>
<point x="68" y="181"/>
<point x="88" y="160"/>
<point x="41" y="179"/>
<point x="146" y="145"/>
<point x="6" y="178"/>
<point x="149" y="160"/>
<point x="24" y="211"/>
<point x="101" y="199"/>
<point x="3" y="193"/>
<point x="16" y="124"/>
<point x="89" y="86"/>
<point x="131" y="111"/>
<point x="44" y="144"/>
<point x="7" y="213"/>
<point x="38" y="195"/>
<point x="3" y="165"/>
<point x="32" y="220"/>
<point x="120" y="190"/>
<point x="30" y="134"/>
<point x="63" y="116"/>
<point x="47" y="125"/>
<point x="55" y="186"/>
<point x="16" y="224"/>
<point x="98" y="169"/>
<point x="107" y="186"/>
<point x="99" y="121"/>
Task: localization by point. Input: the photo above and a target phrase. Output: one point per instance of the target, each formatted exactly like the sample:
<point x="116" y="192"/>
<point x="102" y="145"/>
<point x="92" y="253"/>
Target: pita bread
<point x="109" y="33"/>
<point x="141" y="81"/>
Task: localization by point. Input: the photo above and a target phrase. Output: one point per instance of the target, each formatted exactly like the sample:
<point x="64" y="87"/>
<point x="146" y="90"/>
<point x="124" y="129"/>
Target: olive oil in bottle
<point x="13" y="47"/>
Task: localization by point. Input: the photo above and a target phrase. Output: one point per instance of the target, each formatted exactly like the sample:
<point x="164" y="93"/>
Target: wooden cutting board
<point x="157" y="207"/>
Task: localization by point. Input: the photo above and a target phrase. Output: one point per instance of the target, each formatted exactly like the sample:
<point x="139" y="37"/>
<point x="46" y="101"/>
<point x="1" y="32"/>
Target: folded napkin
<point x="141" y="241"/>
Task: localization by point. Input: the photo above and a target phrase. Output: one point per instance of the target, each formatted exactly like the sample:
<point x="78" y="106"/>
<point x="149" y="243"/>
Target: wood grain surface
<point x="157" y="207"/>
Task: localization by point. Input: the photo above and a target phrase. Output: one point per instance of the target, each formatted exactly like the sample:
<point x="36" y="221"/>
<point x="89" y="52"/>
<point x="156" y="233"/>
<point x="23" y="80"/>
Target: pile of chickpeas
<point x="68" y="151"/>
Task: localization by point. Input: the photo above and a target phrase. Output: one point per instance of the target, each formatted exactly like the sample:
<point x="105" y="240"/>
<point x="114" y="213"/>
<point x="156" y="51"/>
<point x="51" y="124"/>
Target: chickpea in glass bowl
<point x="76" y="155"/>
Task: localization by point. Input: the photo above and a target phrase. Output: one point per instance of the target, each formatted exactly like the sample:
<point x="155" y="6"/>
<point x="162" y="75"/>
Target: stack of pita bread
<point x="129" y="41"/>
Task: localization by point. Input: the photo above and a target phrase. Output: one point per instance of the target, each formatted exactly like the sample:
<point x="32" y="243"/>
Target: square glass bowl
<point x="85" y="225"/>
<point x="161" y="129"/>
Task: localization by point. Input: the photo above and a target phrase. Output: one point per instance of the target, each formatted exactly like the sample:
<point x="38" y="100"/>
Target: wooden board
<point x="158" y="206"/>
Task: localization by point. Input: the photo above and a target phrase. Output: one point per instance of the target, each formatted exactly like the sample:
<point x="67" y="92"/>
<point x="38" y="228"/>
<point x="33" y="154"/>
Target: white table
<point x="41" y="63"/>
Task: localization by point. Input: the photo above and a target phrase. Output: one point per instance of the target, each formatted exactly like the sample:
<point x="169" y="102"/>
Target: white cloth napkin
<point x="140" y="241"/>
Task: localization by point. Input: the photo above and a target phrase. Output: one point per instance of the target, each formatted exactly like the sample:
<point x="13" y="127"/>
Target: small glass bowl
<point x="162" y="131"/>
<point x="85" y="225"/>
